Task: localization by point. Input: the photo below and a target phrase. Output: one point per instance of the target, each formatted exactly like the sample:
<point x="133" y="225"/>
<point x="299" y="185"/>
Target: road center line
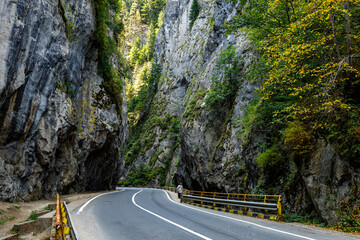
<point x="83" y="206"/>
<point x="239" y="220"/>
<point x="167" y="220"/>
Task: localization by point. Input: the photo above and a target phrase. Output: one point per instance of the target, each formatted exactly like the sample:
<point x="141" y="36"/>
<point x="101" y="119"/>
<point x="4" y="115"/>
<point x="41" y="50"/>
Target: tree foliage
<point x="194" y="12"/>
<point x="107" y="47"/>
<point x="143" y="19"/>
<point x="151" y="10"/>
<point x="310" y="57"/>
<point x="142" y="101"/>
<point x="225" y="80"/>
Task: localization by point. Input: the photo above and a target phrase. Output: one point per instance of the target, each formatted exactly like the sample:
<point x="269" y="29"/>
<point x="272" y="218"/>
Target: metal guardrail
<point x="252" y="201"/>
<point x="73" y="232"/>
<point x="63" y="228"/>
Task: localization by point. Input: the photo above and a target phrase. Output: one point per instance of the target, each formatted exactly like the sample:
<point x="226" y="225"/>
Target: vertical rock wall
<point x="213" y="153"/>
<point x="59" y="129"/>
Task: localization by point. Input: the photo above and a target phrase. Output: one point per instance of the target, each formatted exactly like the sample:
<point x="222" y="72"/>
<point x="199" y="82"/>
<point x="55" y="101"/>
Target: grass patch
<point x="49" y="207"/>
<point x="32" y="216"/>
<point x="5" y="219"/>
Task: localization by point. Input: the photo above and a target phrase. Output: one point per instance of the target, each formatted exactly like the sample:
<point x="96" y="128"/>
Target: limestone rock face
<point x="214" y="153"/>
<point x="189" y="57"/>
<point x="328" y="179"/>
<point x="59" y="129"/>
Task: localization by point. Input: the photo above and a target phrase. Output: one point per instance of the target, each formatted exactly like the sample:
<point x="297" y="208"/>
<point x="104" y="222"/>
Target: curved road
<point x="151" y="214"/>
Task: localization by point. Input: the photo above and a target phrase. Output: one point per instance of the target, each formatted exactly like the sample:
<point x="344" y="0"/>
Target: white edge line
<point x="83" y="206"/>
<point x="239" y="220"/>
<point x="167" y="220"/>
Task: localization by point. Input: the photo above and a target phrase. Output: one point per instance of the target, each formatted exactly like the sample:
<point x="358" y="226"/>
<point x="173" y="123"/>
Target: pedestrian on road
<point x="180" y="190"/>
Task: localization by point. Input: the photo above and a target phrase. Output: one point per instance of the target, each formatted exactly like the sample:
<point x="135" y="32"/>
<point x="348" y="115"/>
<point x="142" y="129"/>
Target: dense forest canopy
<point x="142" y="20"/>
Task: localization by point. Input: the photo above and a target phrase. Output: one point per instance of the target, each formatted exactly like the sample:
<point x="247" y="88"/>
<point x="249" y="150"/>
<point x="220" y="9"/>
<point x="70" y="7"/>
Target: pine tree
<point x="194" y="12"/>
<point x="151" y="41"/>
<point x="160" y="21"/>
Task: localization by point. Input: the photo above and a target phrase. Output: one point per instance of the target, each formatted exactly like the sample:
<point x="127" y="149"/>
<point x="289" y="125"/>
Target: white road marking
<point x="83" y="206"/>
<point x="239" y="220"/>
<point x="167" y="220"/>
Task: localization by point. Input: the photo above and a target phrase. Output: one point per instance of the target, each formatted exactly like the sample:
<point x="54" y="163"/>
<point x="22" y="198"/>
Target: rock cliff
<point x="60" y="130"/>
<point x="217" y="151"/>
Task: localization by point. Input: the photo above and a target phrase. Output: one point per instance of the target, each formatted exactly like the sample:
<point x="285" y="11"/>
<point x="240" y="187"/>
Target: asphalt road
<point x="151" y="214"/>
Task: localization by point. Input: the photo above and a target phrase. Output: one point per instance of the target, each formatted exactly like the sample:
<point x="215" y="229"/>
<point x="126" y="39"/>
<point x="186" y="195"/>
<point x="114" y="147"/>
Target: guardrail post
<point x="245" y="201"/>
<point x="250" y="201"/>
<point x="279" y="206"/>
<point x="214" y="196"/>
<point x="266" y="211"/>
<point x="59" y="231"/>
<point x="228" y="206"/>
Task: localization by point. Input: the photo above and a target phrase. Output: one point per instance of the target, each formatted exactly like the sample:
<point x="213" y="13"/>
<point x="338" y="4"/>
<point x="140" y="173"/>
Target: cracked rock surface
<point x="59" y="129"/>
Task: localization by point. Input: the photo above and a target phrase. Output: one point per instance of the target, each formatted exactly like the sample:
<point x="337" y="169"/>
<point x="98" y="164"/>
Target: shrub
<point x="297" y="138"/>
<point x="249" y="121"/>
<point x="225" y="80"/>
<point x="269" y="158"/>
<point x="140" y="176"/>
<point x="32" y="216"/>
<point x="349" y="217"/>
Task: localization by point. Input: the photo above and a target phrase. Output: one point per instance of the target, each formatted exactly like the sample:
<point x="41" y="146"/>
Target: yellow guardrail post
<point x="265" y="203"/>
<point x="58" y="220"/>
<point x="266" y="211"/>
<point x="279" y="206"/>
<point x="62" y="224"/>
<point x="228" y="196"/>
<point x="245" y="201"/>
<point x="214" y="196"/>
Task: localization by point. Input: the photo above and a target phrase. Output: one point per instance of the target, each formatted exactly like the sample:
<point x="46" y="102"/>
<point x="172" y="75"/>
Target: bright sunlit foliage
<point x="310" y="60"/>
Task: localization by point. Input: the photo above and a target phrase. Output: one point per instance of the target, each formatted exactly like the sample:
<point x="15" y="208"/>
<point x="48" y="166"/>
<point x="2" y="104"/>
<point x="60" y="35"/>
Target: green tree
<point x="133" y="24"/>
<point x="194" y="12"/>
<point x="309" y="59"/>
<point x="108" y="48"/>
<point x="151" y="10"/>
<point x="151" y="41"/>
<point x="134" y="54"/>
<point x="225" y="80"/>
<point x="160" y="21"/>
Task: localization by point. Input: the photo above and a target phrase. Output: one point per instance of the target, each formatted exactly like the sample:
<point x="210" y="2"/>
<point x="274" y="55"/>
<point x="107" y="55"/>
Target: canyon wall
<point x="216" y="150"/>
<point x="60" y="130"/>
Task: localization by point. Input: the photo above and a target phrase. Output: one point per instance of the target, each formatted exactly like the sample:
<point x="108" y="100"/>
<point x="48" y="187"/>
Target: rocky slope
<point x="216" y="151"/>
<point x="59" y="129"/>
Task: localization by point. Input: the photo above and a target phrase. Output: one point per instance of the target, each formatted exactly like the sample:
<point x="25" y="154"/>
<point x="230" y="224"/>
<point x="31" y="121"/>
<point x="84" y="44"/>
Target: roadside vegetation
<point x="143" y="19"/>
<point x="309" y="66"/>
<point x="194" y="12"/>
<point x="4" y="218"/>
<point x="108" y="47"/>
